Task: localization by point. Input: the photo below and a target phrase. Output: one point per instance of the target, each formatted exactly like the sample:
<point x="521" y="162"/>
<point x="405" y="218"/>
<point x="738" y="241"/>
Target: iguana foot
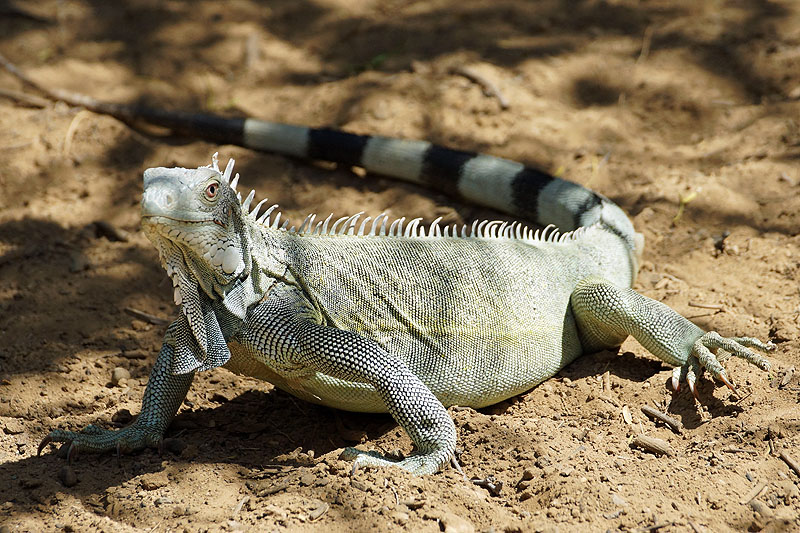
<point x="418" y="464"/>
<point x="94" y="439"/>
<point x="703" y="357"/>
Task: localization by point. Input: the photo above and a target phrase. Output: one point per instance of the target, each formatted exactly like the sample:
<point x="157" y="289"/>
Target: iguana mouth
<point x="161" y="220"/>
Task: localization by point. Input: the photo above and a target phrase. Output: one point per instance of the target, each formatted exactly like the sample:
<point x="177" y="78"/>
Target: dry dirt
<point x="649" y="102"/>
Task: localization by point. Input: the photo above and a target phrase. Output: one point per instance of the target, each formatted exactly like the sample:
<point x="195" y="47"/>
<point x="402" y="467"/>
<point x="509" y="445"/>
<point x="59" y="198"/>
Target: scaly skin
<point x="406" y="323"/>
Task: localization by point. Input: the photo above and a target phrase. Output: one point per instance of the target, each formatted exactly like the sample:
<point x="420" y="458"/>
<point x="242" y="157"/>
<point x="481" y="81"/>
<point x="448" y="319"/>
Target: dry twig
<point x="789" y="460"/>
<point x="705" y="306"/>
<point x="673" y="424"/>
<point x="24" y="98"/>
<point x="652" y="444"/>
<point x="489" y="88"/>
<point x="147" y="317"/>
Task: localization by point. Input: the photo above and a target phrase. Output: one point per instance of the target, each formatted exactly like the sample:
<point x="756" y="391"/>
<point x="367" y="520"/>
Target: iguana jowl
<point x="367" y="314"/>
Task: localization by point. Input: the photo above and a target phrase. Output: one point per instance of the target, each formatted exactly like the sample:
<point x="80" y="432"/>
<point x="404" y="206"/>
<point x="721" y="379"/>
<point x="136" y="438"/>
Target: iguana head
<point x="194" y="218"/>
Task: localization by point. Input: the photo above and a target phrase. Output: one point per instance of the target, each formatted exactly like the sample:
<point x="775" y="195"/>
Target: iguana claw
<point x="72" y="452"/>
<point x="707" y="353"/>
<point x="45" y="441"/>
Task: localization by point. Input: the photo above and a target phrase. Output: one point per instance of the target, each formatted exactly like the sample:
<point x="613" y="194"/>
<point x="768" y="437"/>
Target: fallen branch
<point x="147" y="317"/>
<point x="652" y="444"/>
<point x="672" y="423"/>
<point x="789" y="460"/>
<point x="176" y="121"/>
<point x="489" y="88"/>
<point x="24" y="98"/>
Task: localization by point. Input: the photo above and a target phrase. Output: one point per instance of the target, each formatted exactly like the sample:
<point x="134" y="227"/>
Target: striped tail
<point x="502" y="184"/>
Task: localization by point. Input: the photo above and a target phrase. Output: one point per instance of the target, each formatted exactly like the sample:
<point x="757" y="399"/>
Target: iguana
<point x="369" y="315"/>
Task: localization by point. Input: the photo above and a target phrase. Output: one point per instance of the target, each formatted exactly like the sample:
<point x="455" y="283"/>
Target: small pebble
<point x="67" y="476"/>
<point x="154" y="480"/>
<point x="78" y="261"/>
<point x="453" y="523"/>
<point x="174" y="446"/>
<point x="761" y="508"/>
<point x="122" y="417"/>
<point x="400" y="517"/>
<point x="118" y="374"/>
<point x="12" y="426"/>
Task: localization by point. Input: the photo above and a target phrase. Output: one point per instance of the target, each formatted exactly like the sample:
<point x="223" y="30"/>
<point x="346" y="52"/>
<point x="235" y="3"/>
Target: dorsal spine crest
<point x="414" y="229"/>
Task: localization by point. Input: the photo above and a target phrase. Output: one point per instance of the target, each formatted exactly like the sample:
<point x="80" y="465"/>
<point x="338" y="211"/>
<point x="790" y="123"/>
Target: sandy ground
<point x="656" y="104"/>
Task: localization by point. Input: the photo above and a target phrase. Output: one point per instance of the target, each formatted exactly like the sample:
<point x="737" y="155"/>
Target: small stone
<point x="787" y="489"/>
<point x="11" y="426"/>
<point x="618" y="500"/>
<point x="122" y="417"/>
<point x="400" y="517"/>
<point x="320" y="509"/>
<point x="307" y="479"/>
<point x="233" y="525"/>
<point x="358" y="485"/>
<point x="453" y="523"/>
<point x="414" y="503"/>
<point x="761" y="508"/>
<point x="78" y="261"/>
<point x="174" y="446"/>
<point x="119" y="374"/>
<point x="67" y="476"/>
<point x="154" y="481"/>
<point x="528" y="474"/>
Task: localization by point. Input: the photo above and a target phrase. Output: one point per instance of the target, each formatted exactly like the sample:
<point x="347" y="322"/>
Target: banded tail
<point x="486" y="180"/>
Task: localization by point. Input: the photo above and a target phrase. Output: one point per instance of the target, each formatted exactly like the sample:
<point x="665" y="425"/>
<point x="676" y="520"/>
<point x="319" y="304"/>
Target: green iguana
<point x="365" y="314"/>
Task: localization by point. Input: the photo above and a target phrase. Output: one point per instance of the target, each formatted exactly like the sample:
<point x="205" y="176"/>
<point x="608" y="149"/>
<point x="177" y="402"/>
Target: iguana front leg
<point x="163" y="396"/>
<point x="606" y="314"/>
<point x="295" y="346"/>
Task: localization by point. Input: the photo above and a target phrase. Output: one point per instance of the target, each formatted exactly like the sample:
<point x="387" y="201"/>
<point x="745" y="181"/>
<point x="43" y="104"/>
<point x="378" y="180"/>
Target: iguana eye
<point x="212" y="190"/>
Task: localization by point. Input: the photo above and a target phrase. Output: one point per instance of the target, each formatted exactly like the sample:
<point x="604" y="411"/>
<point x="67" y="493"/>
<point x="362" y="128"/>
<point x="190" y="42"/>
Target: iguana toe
<point x="418" y="464"/>
<point x="708" y="352"/>
<point x="94" y="439"/>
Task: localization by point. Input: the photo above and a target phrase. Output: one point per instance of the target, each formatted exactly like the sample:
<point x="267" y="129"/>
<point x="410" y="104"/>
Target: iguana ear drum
<point x="231" y="260"/>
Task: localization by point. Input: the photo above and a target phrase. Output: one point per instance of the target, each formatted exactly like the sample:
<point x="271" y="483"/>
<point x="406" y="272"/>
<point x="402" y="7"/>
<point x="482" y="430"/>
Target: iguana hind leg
<point x="607" y="314"/>
<point x="163" y="396"/>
